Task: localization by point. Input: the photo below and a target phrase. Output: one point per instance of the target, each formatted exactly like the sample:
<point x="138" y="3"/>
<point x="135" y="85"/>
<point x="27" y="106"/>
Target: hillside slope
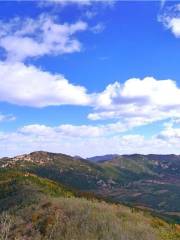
<point x="146" y="181"/>
<point x="73" y="172"/>
<point x="44" y="210"/>
<point x="149" y="181"/>
<point x="17" y="189"/>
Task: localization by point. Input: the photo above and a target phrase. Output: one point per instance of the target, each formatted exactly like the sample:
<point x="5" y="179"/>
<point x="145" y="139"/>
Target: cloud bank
<point x="64" y="139"/>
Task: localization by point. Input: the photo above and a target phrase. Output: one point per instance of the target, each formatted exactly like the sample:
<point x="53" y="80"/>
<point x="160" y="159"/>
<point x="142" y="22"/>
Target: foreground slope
<point x="18" y="189"/>
<point x="43" y="209"/>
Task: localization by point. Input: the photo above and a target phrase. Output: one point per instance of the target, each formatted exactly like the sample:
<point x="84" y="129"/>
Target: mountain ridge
<point x="148" y="181"/>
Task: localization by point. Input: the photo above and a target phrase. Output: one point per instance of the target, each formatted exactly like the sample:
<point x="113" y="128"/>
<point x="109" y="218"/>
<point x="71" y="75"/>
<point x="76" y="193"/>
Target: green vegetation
<point x="148" y="182"/>
<point x="52" y="212"/>
<point x="20" y="189"/>
<point x="75" y="173"/>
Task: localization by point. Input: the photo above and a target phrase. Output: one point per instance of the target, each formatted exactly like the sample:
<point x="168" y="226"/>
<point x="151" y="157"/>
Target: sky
<point x="89" y="77"/>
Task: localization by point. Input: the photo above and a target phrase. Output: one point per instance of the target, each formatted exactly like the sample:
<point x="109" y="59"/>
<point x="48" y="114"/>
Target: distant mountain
<point x="148" y="181"/>
<point x="152" y="163"/>
<point x="157" y="157"/>
<point x="74" y="172"/>
<point x="145" y="181"/>
<point x="107" y="157"/>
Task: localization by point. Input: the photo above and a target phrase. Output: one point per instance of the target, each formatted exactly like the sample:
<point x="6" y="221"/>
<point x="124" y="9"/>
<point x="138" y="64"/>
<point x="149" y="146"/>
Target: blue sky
<point x="89" y="77"/>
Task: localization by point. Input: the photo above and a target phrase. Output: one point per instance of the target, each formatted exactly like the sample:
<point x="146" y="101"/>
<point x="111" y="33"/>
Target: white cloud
<point x="23" y="38"/>
<point x="79" y="131"/>
<point x="87" y="140"/>
<point x="134" y="103"/>
<point x="170" y="133"/>
<point x="171" y="19"/>
<point x="138" y="102"/>
<point x="173" y="24"/>
<point x="137" y="91"/>
<point x="67" y="140"/>
<point x="30" y="86"/>
<point x="63" y="130"/>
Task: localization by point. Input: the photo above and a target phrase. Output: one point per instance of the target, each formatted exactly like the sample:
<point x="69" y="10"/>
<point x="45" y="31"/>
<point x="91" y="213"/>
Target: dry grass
<point x="93" y="220"/>
<point x="81" y="219"/>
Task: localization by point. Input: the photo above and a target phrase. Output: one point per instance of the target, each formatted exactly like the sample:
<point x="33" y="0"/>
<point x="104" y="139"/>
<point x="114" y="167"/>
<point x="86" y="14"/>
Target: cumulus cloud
<point x="138" y="102"/>
<point x="174" y="25"/>
<point x="23" y="38"/>
<point x="137" y="91"/>
<point x="31" y="86"/>
<point x="134" y="103"/>
<point x="171" y="19"/>
<point x="28" y="85"/>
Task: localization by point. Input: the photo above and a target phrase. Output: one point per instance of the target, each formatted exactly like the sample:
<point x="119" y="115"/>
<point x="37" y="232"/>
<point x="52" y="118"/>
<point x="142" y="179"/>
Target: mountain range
<point x="150" y="182"/>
